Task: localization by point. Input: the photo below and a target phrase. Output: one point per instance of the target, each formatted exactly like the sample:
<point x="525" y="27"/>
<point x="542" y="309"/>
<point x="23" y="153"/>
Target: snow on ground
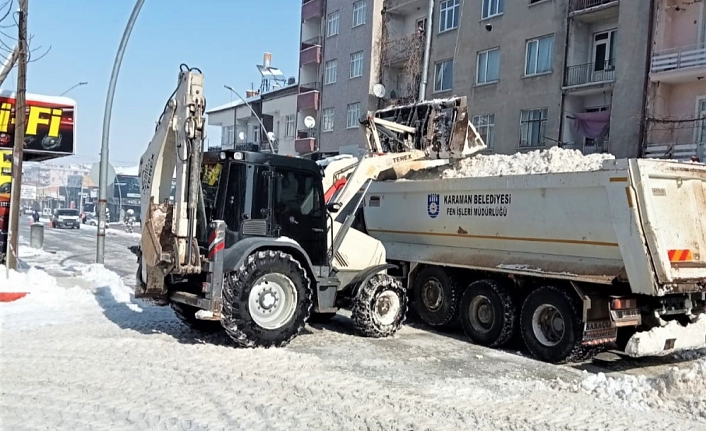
<point x="553" y="160"/>
<point x="678" y="390"/>
<point x="80" y="352"/>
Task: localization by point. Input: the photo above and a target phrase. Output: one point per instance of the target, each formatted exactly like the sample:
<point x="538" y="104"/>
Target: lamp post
<point x="72" y="87"/>
<point x="235" y="114"/>
<point x="104" y="165"/>
<point x="264" y="129"/>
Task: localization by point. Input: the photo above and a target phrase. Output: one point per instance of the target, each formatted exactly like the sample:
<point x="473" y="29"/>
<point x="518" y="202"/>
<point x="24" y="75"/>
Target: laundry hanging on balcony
<point x="592" y="125"/>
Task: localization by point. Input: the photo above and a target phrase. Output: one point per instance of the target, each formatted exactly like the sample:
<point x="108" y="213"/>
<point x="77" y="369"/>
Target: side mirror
<point x="333" y="207"/>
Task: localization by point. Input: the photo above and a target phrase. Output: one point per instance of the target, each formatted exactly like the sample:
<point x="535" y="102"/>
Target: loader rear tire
<point x="551" y="326"/>
<point x="380" y="307"/>
<point x="488" y="313"/>
<point x="187" y="314"/>
<point x="436" y="296"/>
<point x="266" y="301"/>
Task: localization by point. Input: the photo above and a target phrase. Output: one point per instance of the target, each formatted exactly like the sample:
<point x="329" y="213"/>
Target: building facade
<point x="676" y="108"/>
<point x="339" y="65"/>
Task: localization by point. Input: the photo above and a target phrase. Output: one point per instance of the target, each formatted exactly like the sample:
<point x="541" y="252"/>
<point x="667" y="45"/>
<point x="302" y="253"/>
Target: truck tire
<point x="436" y="296"/>
<point x="380" y="307"/>
<point x="551" y="325"/>
<point x="266" y="301"/>
<point x="187" y="314"/>
<point x="488" y="313"/>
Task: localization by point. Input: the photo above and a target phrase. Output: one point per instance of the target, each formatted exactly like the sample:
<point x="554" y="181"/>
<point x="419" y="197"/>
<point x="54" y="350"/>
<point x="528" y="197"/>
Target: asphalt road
<point x="80" y="246"/>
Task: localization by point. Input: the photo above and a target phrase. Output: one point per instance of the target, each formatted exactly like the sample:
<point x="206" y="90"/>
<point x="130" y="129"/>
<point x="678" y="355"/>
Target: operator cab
<point x="264" y="195"/>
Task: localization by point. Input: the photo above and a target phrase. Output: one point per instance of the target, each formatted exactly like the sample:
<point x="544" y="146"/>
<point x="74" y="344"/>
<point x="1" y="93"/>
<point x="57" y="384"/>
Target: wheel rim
<point x="386" y="307"/>
<point x="548" y="325"/>
<point x="481" y="313"/>
<point x="432" y="294"/>
<point x="272" y="301"/>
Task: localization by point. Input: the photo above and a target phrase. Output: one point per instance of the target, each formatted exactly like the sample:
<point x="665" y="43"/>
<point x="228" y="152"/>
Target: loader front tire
<point x="436" y="296"/>
<point x="488" y="313"/>
<point x="187" y="314"/>
<point x="380" y="307"/>
<point x="266" y="301"/>
<point x="551" y="325"/>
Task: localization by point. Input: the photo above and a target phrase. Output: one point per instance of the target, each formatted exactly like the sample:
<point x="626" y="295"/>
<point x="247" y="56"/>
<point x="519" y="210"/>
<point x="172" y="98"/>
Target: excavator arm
<point x="404" y="138"/>
<point x="168" y="244"/>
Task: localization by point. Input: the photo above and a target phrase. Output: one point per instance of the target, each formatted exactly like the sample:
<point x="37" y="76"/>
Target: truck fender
<point x="365" y="275"/>
<point x="235" y="256"/>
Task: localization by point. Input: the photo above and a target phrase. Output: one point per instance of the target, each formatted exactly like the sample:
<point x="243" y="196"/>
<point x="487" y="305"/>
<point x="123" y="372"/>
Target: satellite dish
<point x="241" y="136"/>
<point x="271" y="136"/>
<point x="309" y="122"/>
<point x="95" y="173"/>
<point x="379" y="91"/>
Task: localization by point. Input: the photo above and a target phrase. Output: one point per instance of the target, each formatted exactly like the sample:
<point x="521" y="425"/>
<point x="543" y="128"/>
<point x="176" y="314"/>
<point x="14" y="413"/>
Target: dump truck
<point x="572" y="262"/>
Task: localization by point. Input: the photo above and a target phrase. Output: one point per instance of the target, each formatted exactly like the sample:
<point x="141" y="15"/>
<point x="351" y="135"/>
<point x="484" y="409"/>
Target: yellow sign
<point x="5" y="166"/>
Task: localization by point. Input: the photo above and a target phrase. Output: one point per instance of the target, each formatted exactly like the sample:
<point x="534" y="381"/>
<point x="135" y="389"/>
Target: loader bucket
<point x="443" y="129"/>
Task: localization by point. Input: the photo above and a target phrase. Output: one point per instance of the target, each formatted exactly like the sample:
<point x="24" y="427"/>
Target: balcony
<point x="400" y="50"/>
<point x="682" y="64"/>
<point x="308" y="98"/>
<point x="306" y="141"/>
<point x="589" y="74"/>
<point x="404" y="7"/>
<point x="312" y="9"/>
<point x="593" y="10"/>
<point x="310" y="51"/>
<point x="677" y="151"/>
<point x="588" y="147"/>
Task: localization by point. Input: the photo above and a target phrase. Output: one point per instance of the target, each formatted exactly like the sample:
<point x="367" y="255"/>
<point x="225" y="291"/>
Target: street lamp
<point x="264" y="129"/>
<point x="74" y="86"/>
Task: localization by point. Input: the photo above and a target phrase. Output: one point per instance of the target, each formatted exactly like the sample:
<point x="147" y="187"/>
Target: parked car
<point x="66" y="218"/>
<point x="90" y="219"/>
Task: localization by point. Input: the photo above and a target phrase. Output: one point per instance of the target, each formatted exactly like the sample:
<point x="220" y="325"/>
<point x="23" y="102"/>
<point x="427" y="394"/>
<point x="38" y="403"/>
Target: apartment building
<point x="540" y="73"/>
<point x="676" y="107"/>
<point x="339" y="65"/>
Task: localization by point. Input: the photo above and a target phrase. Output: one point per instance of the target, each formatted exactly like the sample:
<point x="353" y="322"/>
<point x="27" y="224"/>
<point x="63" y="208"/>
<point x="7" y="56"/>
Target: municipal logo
<point x="433" y="205"/>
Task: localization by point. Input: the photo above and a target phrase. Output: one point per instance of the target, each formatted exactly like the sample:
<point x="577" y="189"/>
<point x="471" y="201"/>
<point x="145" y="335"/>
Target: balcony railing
<point x="310" y="86"/>
<point x="679" y="58"/>
<point x="401" y="49"/>
<point x="308" y="101"/>
<point x="590" y="147"/>
<point x="306" y="133"/>
<point x="582" y="5"/>
<point x="676" y="139"/>
<point x="677" y="151"/>
<point x="590" y="73"/>
<point x="312" y="9"/>
<point x="310" y="55"/>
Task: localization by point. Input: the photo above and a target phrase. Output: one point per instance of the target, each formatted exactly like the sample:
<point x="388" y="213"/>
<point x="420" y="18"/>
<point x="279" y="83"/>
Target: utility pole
<point x="20" y="119"/>
<point x="104" y="164"/>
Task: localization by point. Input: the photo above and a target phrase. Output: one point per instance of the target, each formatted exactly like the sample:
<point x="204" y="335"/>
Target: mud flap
<point x="668" y="339"/>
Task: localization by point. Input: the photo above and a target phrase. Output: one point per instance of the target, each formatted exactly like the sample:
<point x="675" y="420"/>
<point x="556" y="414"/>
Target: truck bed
<point x="636" y="220"/>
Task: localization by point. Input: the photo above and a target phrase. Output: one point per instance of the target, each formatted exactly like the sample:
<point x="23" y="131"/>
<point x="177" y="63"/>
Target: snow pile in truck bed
<point x="553" y="160"/>
<point x="677" y="390"/>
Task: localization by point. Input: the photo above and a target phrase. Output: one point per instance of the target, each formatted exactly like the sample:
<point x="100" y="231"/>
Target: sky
<point x="226" y="39"/>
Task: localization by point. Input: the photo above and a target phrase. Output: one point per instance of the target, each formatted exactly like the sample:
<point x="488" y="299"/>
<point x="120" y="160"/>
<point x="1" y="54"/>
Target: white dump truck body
<point x="642" y="221"/>
<point x="634" y="229"/>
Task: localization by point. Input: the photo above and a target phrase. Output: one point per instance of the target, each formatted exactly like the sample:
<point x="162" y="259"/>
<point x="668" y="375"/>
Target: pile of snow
<point x="57" y="300"/>
<point x="553" y="160"/>
<point x="653" y="341"/>
<point x="677" y="390"/>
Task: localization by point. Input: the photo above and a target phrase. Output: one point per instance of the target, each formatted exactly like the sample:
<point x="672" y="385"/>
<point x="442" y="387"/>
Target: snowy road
<point x="79" y="353"/>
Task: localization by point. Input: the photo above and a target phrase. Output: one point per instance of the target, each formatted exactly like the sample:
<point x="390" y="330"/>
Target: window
<point x="701" y="113"/>
<point x="488" y="67"/>
<point x="289" y="126"/>
<point x="448" y="15"/>
<point x="333" y="24"/>
<point x="443" y="76"/>
<point x="255" y="133"/>
<point x="492" y="8"/>
<point x="533" y="123"/>
<point x="538" y="58"/>
<point x="227" y="135"/>
<point x="235" y="198"/>
<point x="604" y="51"/>
<point x="352" y="115"/>
<point x="330" y="71"/>
<point x="485" y="126"/>
<point x="327" y="122"/>
<point x="421" y="25"/>
<point x="357" y="64"/>
<point x="359" y="10"/>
